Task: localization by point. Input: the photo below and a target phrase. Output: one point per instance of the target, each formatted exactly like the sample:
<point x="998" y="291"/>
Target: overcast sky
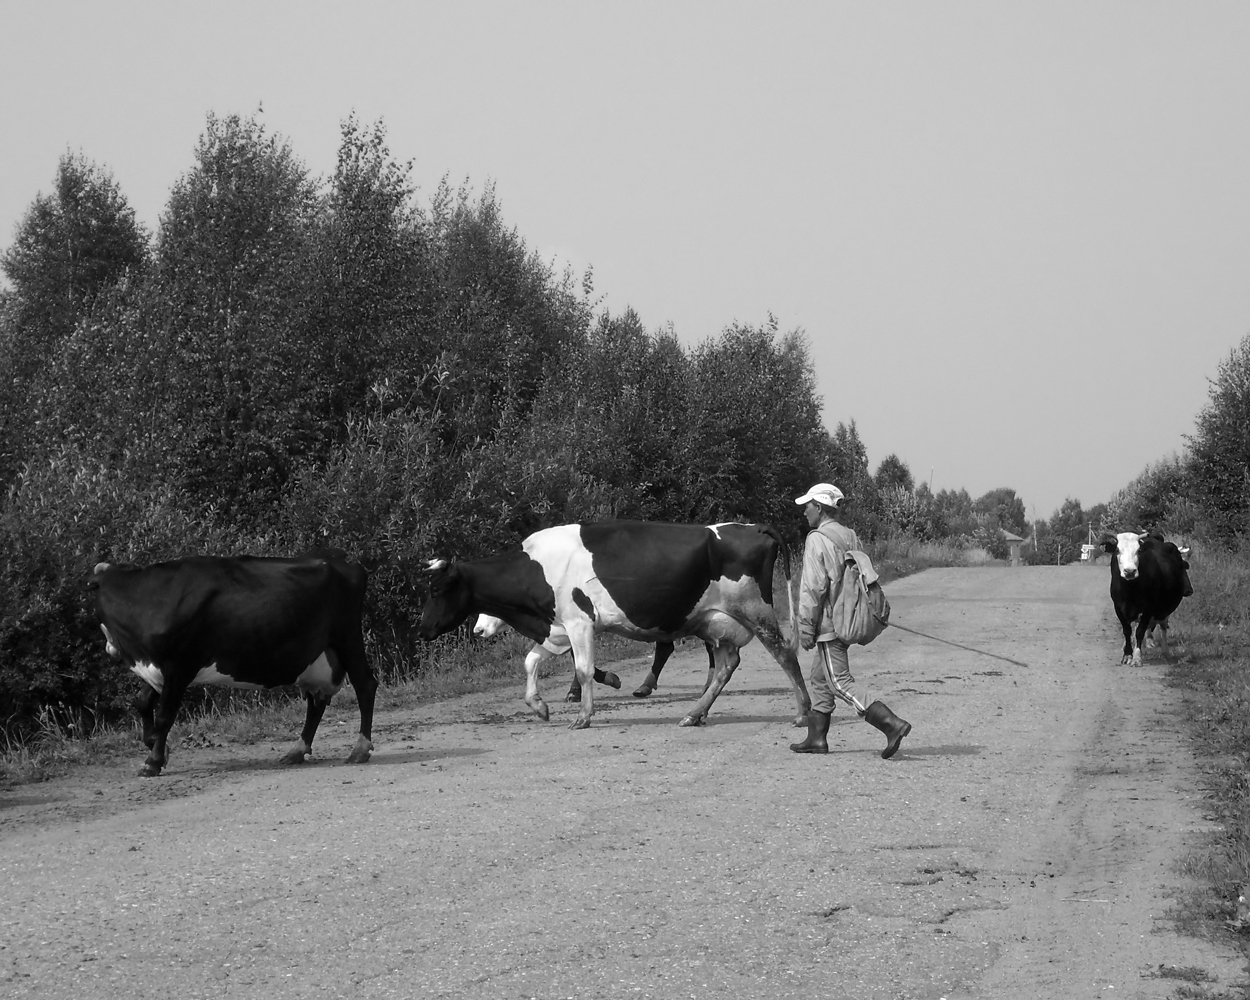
<point x="1017" y="236"/>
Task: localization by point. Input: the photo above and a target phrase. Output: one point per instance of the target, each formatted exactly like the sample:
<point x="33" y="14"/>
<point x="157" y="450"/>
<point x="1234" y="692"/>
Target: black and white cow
<point x="644" y="580"/>
<point x="1148" y="580"/>
<point x="554" y="645"/>
<point x="558" y="643"/>
<point x="246" y="622"/>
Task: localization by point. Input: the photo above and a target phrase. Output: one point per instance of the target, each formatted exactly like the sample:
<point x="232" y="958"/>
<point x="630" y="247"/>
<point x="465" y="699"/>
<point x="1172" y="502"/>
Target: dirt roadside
<point x="1024" y="842"/>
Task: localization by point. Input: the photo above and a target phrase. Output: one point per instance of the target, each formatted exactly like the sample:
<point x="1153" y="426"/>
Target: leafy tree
<point x="846" y="466"/>
<point x="954" y="508"/>
<point x="1002" y="508"/>
<point x="69" y="247"/>
<point x="1160" y="497"/>
<point x="1069" y="529"/>
<point x="1219" y="464"/>
<point x="893" y="472"/>
<point x="232" y="253"/>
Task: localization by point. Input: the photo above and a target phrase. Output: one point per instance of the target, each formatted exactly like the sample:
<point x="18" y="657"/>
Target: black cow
<point x="643" y="580"/>
<point x="246" y="622"/>
<point x="1148" y="580"/>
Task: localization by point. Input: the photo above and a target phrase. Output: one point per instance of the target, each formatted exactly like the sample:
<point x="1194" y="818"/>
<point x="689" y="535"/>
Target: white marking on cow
<point x="1127" y="545"/>
<point x="487" y="625"/>
<point x="318" y="678"/>
<point x="110" y="646"/>
<point x="436" y="564"/>
<point x="148" y="672"/>
<point x="210" y="675"/>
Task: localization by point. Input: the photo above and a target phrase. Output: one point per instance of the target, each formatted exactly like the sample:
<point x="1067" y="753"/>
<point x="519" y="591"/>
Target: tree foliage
<point x="1219" y="462"/>
<point x="300" y="362"/>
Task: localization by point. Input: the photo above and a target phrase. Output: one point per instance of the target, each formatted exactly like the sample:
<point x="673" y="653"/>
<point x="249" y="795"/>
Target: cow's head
<point x="1124" y="548"/>
<point x="487" y="625"/>
<point x="448" y="603"/>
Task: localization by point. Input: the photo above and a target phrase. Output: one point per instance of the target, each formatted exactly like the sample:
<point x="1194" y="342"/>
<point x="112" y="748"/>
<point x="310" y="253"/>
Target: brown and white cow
<point x="245" y="621"/>
<point x="651" y="581"/>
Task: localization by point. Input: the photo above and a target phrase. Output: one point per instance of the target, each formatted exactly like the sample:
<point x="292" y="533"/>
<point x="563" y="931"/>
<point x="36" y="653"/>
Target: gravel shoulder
<point x="1024" y="842"/>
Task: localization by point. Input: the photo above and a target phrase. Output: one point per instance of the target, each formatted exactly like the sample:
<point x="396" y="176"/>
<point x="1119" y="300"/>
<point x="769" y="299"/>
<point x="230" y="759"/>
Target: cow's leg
<point x="601" y="677"/>
<point x="711" y="666"/>
<point x="1142" y="625"/>
<point x="772" y="639"/>
<point x="582" y="637"/>
<point x="167" y="703"/>
<point x="1163" y="634"/>
<point x="145" y="706"/>
<point x="365" y="684"/>
<point x="1126" y="624"/>
<point x="727" y="659"/>
<point x="312" y="719"/>
<point x="533" y="658"/>
<point x="663" y="650"/>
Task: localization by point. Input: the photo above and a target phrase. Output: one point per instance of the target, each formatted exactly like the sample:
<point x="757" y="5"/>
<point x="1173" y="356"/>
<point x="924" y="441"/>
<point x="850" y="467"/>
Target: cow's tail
<point x="792" y="597"/>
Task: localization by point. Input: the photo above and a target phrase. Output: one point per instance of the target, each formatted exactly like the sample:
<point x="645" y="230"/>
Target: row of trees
<point x="291" y="361"/>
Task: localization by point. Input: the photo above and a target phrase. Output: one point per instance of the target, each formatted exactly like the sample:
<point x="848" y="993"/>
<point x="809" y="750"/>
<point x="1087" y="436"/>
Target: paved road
<point x="1024" y="843"/>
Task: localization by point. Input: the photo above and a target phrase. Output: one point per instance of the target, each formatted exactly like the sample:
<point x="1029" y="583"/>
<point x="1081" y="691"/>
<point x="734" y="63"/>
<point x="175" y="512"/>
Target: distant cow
<point x="1148" y="580"/>
<point x="245" y="622"/>
<point x="643" y="580"/>
<point x="558" y="642"/>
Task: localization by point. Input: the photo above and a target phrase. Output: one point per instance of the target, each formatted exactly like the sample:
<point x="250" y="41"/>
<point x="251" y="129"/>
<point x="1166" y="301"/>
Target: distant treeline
<point x="291" y="362"/>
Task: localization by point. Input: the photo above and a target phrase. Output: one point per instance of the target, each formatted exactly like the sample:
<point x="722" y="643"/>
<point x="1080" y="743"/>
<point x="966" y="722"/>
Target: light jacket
<point x="824" y="559"/>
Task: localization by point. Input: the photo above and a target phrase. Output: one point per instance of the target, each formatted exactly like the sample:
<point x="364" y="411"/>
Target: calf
<point x="1148" y="581"/>
<point x="245" y="622"/>
<point x="643" y="580"/>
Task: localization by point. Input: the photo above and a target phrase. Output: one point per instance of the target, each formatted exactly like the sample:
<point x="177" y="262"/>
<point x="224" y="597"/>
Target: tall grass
<point x="63" y="737"/>
<point x="898" y="556"/>
<point x="1212" y="677"/>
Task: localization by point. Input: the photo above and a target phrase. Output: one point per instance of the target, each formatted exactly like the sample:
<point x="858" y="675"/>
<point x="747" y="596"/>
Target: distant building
<point x="1013" y="546"/>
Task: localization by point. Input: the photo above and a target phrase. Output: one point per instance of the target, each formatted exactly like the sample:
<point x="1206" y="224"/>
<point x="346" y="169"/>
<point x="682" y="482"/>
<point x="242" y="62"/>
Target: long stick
<point x="970" y="649"/>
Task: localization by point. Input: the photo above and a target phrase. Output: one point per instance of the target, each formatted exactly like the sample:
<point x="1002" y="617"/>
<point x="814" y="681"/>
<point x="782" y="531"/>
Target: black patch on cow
<point x="511" y="586"/>
<point x="584" y="602"/>
<point x="657" y="572"/>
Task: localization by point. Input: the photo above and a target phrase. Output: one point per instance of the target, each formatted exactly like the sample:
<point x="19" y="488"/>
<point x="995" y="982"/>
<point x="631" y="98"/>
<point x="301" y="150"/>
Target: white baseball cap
<point x="825" y="493"/>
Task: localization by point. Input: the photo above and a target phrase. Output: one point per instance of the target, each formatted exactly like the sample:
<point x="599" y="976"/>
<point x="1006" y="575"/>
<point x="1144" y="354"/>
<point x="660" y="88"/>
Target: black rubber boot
<point x="895" y="729"/>
<point x="817" y="734"/>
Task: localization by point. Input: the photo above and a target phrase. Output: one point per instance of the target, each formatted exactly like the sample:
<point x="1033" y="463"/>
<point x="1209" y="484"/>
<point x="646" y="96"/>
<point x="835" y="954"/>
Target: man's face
<point x="812" y="510"/>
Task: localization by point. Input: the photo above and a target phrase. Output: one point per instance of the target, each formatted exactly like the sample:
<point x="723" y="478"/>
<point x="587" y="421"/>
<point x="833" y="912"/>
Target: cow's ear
<point x="1108" y="544"/>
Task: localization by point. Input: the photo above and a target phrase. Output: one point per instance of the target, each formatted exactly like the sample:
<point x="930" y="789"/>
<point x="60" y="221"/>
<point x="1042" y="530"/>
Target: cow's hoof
<point x="150" y="771"/>
<point x="294" y="757"/>
<point x="643" y="692"/>
<point x="580" y="723"/>
<point x="612" y="681"/>
<point x="573" y="696"/>
<point x="693" y="720"/>
<point x="360" y="752"/>
<point x="541" y="710"/>
<point x="800" y="721"/>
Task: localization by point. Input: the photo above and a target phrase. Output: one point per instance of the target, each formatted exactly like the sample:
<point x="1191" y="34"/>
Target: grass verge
<point x="1209" y="674"/>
